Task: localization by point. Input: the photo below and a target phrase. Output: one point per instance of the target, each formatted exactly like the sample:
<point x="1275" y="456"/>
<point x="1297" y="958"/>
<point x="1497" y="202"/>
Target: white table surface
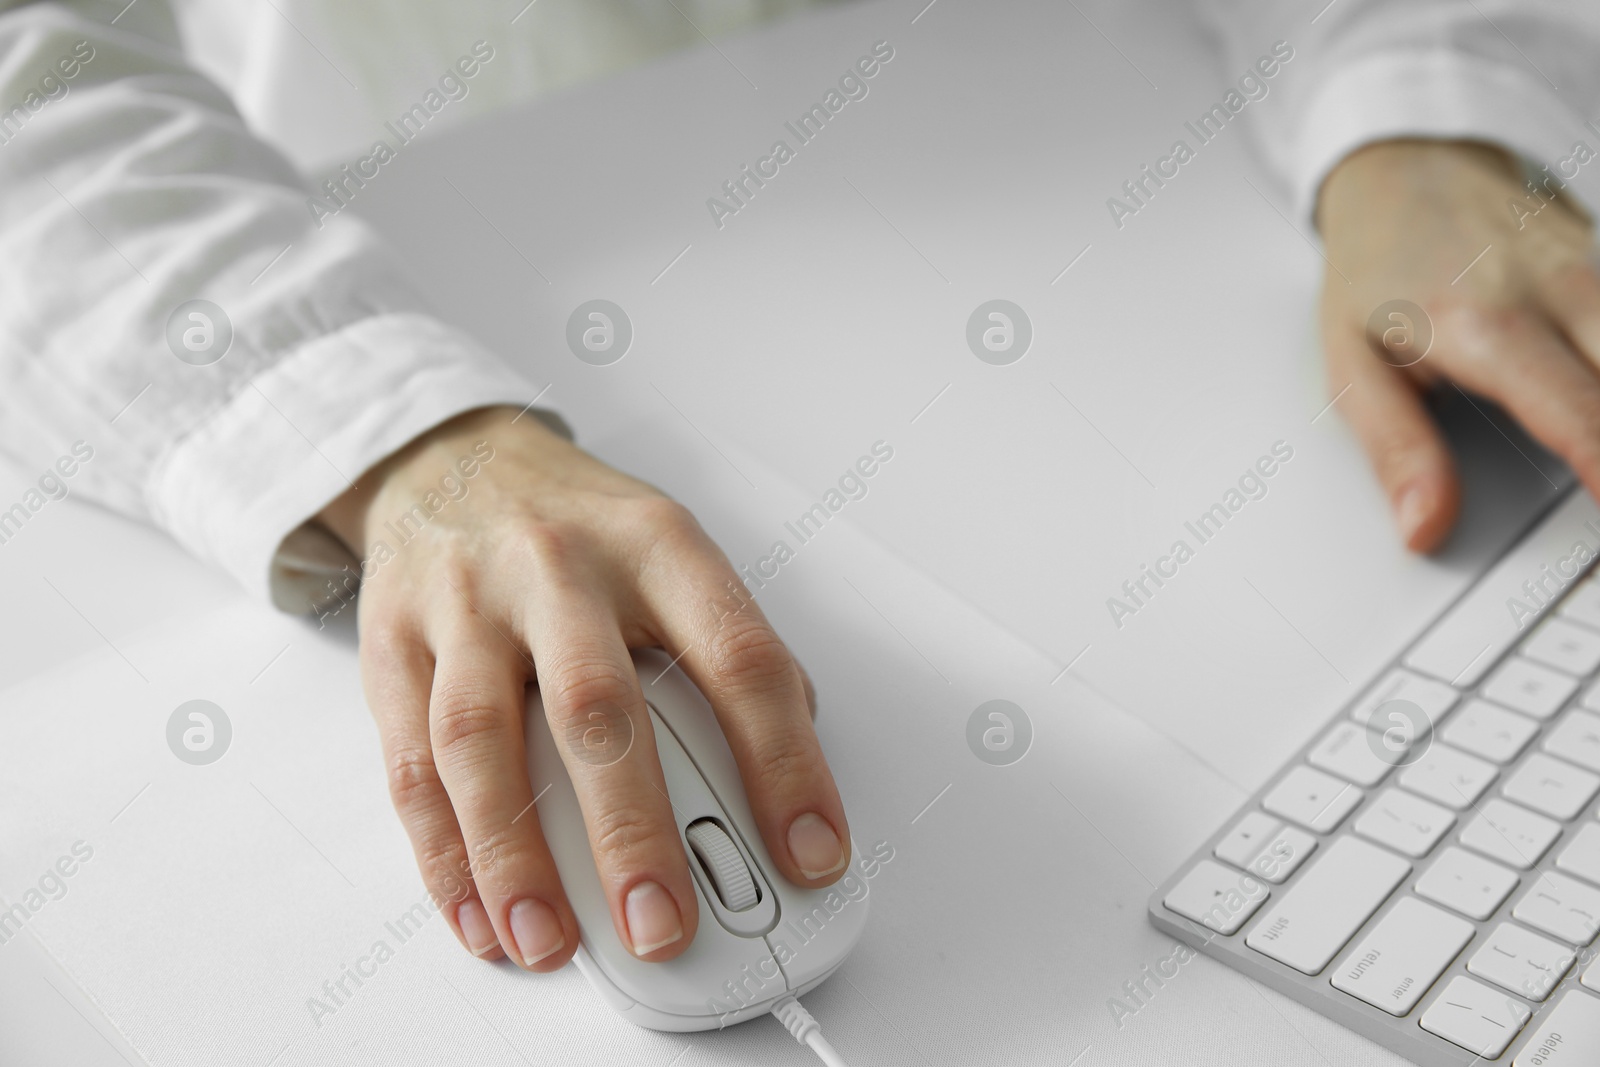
<point x="823" y="317"/>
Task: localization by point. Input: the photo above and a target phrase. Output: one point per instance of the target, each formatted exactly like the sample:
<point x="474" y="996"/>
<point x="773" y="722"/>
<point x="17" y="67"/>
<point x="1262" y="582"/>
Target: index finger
<point x="732" y="654"/>
<point x="1517" y="358"/>
<point x="1572" y="298"/>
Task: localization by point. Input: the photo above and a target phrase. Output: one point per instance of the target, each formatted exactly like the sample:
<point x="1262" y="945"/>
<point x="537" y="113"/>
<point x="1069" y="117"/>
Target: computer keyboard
<point x="1426" y="871"/>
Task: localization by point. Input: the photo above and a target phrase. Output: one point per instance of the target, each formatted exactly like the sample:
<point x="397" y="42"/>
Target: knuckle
<point x="454" y="567"/>
<point x="782" y="758"/>
<point x="746" y="651"/>
<point x="498" y="850"/>
<point x="588" y="708"/>
<point x="669" y="532"/>
<point x="387" y="644"/>
<point x="445" y="869"/>
<point x="1447" y="309"/>
<point x="584" y="686"/>
<point x="1478" y="327"/>
<point x="1516" y="321"/>
<point x="548" y="547"/>
<point x="663" y="515"/>
<point x="464" y="717"/>
<point x="413" y="779"/>
<point x="622" y="833"/>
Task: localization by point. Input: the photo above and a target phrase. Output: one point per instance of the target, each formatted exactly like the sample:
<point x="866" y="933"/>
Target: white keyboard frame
<point x="1401" y="1035"/>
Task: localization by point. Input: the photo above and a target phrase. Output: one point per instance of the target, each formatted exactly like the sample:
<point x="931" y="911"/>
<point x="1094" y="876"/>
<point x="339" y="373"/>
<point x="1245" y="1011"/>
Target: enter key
<point x="1403" y="955"/>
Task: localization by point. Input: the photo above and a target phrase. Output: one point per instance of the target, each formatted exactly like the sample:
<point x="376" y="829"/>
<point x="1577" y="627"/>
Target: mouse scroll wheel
<point x="723" y="864"/>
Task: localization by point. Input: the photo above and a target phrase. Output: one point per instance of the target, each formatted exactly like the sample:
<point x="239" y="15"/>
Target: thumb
<point x="1407" y="452"/>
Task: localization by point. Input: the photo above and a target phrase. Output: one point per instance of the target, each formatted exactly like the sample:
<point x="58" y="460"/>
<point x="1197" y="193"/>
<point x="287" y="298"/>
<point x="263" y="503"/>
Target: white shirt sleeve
<point x="1519" y="73"/>
<point x="128" y="187"/>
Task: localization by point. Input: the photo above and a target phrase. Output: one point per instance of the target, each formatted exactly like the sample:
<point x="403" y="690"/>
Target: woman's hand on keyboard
<point x="1447" y="271"/>
<point x="531" y="552"/>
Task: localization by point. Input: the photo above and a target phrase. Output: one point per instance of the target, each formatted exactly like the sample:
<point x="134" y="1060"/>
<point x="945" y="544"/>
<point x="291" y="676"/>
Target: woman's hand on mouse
<point x="552" y="565"/>
<point x="1508" y="293"/>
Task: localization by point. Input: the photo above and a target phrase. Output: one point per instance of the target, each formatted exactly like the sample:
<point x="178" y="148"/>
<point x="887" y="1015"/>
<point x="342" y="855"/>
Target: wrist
<point x="349" y="516"/>
<point x="345" y="515"/>
<point x="1391" y="166"/>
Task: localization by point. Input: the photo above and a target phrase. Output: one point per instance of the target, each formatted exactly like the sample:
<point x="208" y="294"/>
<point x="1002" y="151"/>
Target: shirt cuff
<point x="1437" y="94"/>
<point x="242" y="487"/>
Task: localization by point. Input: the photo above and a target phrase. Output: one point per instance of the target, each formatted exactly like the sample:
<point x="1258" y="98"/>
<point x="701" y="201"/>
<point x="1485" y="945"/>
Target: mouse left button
<point x="724" y="865"/>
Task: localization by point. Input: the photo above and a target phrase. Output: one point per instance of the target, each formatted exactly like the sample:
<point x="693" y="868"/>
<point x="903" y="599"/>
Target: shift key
<point x="1325" y="908"/>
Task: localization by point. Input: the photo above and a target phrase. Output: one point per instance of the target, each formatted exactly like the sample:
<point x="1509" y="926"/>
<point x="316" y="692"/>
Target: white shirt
<point x="138" y="176"/>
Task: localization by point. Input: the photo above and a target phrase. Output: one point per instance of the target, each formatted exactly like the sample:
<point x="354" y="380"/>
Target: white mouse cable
<point x="806" y="1030"/>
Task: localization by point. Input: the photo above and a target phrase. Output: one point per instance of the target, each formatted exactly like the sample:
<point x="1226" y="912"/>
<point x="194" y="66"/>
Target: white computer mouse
<point x="760" y="939"/>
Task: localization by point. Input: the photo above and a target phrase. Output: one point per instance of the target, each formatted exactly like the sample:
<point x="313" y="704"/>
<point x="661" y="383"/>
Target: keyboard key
<point x="1288" y="849"/>
<point x="1591" y="976"/>
<point x="1402" y="956"/>
<point x="1510" y="834"/>
<point x="1591" y="697"/>
<point x="1581" y="855"/>
<point x="1583" y="604"/>
<point x="1433" y="697"/>
<point x="1449" y="776"/>
<point x="1217" y="897"/>
<point x="1317" y="801"/>
<point x="1561" y="907"/>
<point x="1471" y="636"/>
<point x="1567" y="647"/>
<point x="1567" y="1037"/>
<point x="1480" y="1019"/>
<point x="1247" y="838"/>
<point x="1577" y="738"/>
<point x="1466" y="883"/>
<point x="1348" y="751"/>
<point x="1324" y="909"/>
<point x="1489" y="731"/>
<point x="1523" y="685"/>
<point x="1521" y="962"/>
<point x="1405" y="823"/>
<point x="1547" y="784"/>
<point x="1265" y="847"/>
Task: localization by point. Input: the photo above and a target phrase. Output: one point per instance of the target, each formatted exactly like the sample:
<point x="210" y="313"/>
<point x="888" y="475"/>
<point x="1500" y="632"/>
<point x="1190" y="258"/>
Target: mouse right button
<point x="819" y="927"/>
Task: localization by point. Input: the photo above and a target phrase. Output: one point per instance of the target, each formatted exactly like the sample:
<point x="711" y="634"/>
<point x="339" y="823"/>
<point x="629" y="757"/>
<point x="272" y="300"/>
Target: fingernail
<point x="1411" y="511"/>
<point x="814" y="846"/>
<point x="653" y="920"/>
<point x="476" y="927"/>
<point x="537" y="930"/>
